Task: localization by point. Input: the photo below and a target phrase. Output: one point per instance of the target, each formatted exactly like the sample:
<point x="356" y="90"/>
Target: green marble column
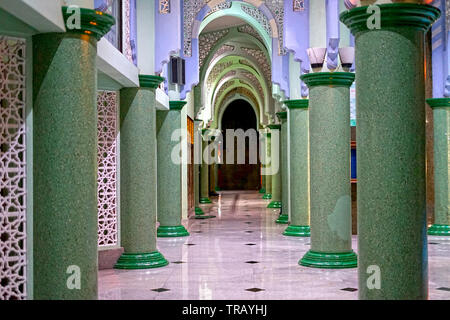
<point x="284" y="183"/>
<point x="299" y="165"/>
<point x="138" y="192"/>
<point x="391" y="150"/>
<point x="263" y="181"/>
<point x="65" y="160"/>
<point x="268" y="186"/>
<point x="329" y="128"/>
<point x="169" y="171"/>
<point x="441" y="123"/>
<point x="216" y="178"/>
<point x="276" y="175"/>
<point x="197" y="151"/>
<point x="204" y="173"/>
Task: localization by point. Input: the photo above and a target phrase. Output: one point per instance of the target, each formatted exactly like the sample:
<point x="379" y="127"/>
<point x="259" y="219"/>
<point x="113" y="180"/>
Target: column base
<point x="172" y="231"/>
<point x="205" y="201"/>
<point x="274" y="205"/>
<point x="141" y="261"/>
<point x="204" y="217"/>
<point x="199" y="211"/>
<point x="283" y="219"/>
<point x="324" y="260"/>
<point x="262" y="190"/>
<point x="439" y="230"/>
<point x="217" y="189"/>
<point x="297" y="231"/>
<point x="267" y="196"/>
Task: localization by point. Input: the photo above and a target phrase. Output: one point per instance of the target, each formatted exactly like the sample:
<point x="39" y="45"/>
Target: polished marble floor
<point x="242" y="254"/>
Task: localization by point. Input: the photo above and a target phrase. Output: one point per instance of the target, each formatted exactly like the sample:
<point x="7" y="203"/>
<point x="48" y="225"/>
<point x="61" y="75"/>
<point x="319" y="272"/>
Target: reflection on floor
<point x="242" y="254"/>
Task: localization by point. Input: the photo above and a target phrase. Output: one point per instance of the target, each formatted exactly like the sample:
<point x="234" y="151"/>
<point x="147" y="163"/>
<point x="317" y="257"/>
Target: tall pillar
<point x="216" y="177"/>
<point x="276" y="174"/>
<point x="138" y="192"/>
<point x="441" y="123"/>
<point x="329" y="127"/>
<point x="263" y="180"/>
<point x="299" y="175"/>
<point x="204" y="174"/>
<point x="196" y="161"/>
<point x="65" y="159"/>
<point x="169" y="171"/>
<point x="267" y="138"/>
<point x="392" y="238"/>
<point x="284" y="174"/>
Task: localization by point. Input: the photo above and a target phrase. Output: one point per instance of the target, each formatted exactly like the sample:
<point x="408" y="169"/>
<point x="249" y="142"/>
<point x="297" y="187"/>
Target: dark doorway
<point x="239" y="115"/>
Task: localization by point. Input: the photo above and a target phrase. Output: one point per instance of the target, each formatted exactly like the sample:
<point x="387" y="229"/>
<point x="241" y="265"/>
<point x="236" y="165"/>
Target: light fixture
<point x="347" y="56"/>
<point x="316" y="58"/>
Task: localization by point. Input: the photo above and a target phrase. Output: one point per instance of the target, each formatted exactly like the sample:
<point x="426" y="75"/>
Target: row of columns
<point x="65" y="252"/>
<point x="392" y="261"/>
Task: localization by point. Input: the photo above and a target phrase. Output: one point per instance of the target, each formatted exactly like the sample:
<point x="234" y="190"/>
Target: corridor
<point x="241" y="254"/>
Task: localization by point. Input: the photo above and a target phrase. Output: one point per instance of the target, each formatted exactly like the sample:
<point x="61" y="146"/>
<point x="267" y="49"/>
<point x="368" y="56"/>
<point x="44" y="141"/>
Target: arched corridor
<point x="239" y="115"/>
<point x="224" y="149"/>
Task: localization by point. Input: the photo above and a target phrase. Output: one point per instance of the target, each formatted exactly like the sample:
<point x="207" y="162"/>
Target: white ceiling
<point x="222" y="23"/>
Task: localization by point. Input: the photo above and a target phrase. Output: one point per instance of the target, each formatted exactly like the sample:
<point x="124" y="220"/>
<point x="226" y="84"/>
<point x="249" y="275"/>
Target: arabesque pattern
<point x="13" y="248"/>
<point x="107" y="168"/>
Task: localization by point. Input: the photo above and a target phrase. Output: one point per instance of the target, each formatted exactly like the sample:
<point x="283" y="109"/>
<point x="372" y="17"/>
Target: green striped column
<point x="204" y="173"/>
<point x="276" y="171"/>
<point x="138" y="176"/>
<point x="169" y="171"/>
<point x="268" y="187"/>
<point x="441" y="123"/>
<point x="197" y="166"/>
<point x="329" y="127"/>
<point x="284" y="213"/>
<point x="299" y="165"/>
<point x="263" y="181"/>
<point x="65" y="160"/>
<point x="392" y="239"/>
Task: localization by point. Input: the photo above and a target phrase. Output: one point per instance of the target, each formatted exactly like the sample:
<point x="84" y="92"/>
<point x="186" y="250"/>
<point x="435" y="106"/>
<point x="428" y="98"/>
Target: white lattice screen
<point x="107" y="168"/>
<point x="13" y="260"/>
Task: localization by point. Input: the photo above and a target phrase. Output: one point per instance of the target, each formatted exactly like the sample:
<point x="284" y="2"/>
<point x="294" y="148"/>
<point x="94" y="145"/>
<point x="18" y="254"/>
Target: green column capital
<point x="332" y="79"/>
<point x="297" y="104"/>
<point x="439" y="102"/>
<point x="282" y="116"/>
<point x="150" y="81"/>
<point x="176" y="105"/>
<point x="411" y="15"/>
<point x="92" y="22"/>
<point x="274" y="126"/>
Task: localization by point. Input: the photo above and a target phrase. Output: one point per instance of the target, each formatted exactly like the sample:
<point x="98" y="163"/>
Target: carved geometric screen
<point x="13" y="261"/>
<point x="298" y="5"/>
<point x="107" y="168"/>
<point x="164" y="6"/>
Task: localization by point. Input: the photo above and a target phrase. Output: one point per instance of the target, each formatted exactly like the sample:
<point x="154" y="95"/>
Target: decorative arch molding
<point x="254" y="51"/>
<point x="241" y="68"/>
<point x="248" y="71"/>
<point x="218" y="94"/>
<point x="194" y="15"/>
<point x="230" y="99"/>
<point x="198" y="13"/>
<point x="244" y="59"/>
<point x="212" y="42"/>
<point x="238" y="86"/>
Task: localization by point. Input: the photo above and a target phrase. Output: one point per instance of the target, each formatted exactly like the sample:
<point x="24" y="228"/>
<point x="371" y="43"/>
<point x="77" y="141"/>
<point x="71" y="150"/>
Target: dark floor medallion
<point x="160" y="290"/>
<point x="443" y="289"/>
<point x="255" y="289"/>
